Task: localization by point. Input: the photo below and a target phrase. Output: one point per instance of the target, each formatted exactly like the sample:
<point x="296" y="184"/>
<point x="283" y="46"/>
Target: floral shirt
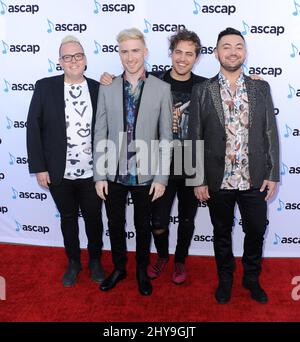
<point x="236" y="115"/>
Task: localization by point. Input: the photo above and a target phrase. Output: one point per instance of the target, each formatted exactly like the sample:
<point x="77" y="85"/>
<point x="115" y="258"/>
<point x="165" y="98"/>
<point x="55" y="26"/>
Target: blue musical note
<point x="246" y="28"/>
<point x="51" y="65"/>
<point x="245" y="68"/>
<point x="3" y="6"/>
<point x="97" y="47"/>
<point x="197" y="6"/>
<point x="292" y="92"/>
<point x="18" y="226"/>
<point x="7" y="86"/>
<point x="9" y="123"/>
<point x="296" y="8"/>
<point x="281" y="205"/>
<point x="12" y="159"/>
<point x="97" y="7"/>
<point x="295" y="51"/>
<point x="288" y="131"/>
<point x="5" y="47"/>
<point x="15" y="193"/>
<point x="51" y="26"/>
<point x="148" y="26"/>
<point x="284" y="169"/>
<point x="277" y="239"/>
<point x="148" y="66"/>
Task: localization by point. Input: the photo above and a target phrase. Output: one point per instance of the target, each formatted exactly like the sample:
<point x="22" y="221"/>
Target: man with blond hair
<point x="60" y="128"/>
<point x="134" y="113"/>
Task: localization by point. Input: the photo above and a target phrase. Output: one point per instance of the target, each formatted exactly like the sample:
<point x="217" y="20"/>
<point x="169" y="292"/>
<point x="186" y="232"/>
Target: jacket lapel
<point x="214" y="89"/>
<point x="251" y="93"/>
<point x="59" y="96"/>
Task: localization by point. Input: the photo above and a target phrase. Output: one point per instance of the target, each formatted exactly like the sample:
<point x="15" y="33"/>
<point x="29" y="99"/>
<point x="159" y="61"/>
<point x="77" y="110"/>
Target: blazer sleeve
<point x="36" y="158"/>
<point x="100" y="138"/>
<point x="271" y="138"/>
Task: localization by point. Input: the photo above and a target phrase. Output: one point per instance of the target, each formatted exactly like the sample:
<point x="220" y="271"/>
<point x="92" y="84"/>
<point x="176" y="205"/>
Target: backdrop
<point x="30" y="34"/>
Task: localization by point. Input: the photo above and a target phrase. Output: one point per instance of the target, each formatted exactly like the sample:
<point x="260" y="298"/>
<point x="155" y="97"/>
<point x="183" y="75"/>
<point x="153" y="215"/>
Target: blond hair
<point x="70" y="39"/>
<point x="132" y="33"/>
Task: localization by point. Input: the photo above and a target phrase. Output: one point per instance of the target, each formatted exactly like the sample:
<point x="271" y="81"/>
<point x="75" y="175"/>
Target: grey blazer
<point x="207" y="123"/>
<point x="153" y="123"/>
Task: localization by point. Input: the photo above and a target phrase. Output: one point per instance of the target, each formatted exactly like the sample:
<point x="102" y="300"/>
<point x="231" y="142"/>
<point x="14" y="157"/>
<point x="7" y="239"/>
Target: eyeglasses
<point x="68" y="58"/>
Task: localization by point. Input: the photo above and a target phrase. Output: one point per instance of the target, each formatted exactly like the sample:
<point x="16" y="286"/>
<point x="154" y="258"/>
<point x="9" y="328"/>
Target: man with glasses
<point x="60" y="127"/>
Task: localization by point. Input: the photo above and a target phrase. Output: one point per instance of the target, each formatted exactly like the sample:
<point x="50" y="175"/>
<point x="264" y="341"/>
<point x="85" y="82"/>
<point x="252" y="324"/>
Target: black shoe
<point x="257" y="292"/>
<point x="70" y="276"/>
<point x="223" y="291"/>
<point x="112" y="280"/>
<point x="144" y="283"/>
<point x="97" y="272"/>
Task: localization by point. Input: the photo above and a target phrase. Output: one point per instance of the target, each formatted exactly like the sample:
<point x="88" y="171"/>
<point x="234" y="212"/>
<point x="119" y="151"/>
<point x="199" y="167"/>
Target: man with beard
<point x="234" y="115"/>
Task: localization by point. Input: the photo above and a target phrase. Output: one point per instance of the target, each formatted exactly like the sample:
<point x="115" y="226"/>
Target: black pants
<point x="187" y="209"/>
<point x="116" y="213"/>
<point x="253" y="210"/>
<point x="69" y="196"/>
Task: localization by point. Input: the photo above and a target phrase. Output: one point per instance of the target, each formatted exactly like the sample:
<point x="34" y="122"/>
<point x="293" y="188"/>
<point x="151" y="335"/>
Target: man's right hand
<point x="102" y="189"/>
<point x="201" y="192"/>
<point x="106" y="78"/>
<point x="43" y="179"/>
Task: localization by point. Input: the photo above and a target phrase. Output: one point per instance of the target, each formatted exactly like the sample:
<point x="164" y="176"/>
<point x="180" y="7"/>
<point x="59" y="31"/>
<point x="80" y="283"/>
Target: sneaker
<point x="179" y="273"/>
<point x="155" y="270"/>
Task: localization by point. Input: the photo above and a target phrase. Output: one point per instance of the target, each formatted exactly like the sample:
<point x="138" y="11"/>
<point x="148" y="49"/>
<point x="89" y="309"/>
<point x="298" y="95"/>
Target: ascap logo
<point x="32" y="9"/>
<point x="105" y="48"/>
<point x="17" y="160"/>
<point x="285" y="240"/>
<point x="203" y="238"/>
<point x="291" y="132"/>
<point x="287" y="205"/>
<point x="130" y="234"/>
<point x="159" y="67"/>
<point x="162" y="27"/>
<point x="277" y="30"/>
<point x="271" y="71"/>
<point x="207" y="50"/>
<point x="211" y="9"/>
<point x="127" y="8"/>
<point x="292" y="170"/>
<point x="15" y="124"/>
<point x="295" y="51"/>
<point x="240" y="222"/>
<point x="3" y="210"/>
<point x="15" y="48"/>
<point x="41" y="196"/>
<point x="17" y="86"/>
<point x="293" y="92"/>
<point x="65" y="27"/>
<point x="31" y="228"/>
<point x="52" y="66"/>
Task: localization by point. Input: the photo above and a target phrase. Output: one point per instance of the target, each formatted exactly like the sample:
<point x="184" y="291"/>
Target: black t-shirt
<point x="181" y="93"/>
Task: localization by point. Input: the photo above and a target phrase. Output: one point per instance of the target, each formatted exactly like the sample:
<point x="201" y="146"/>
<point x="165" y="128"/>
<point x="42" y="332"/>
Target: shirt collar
<point x="224" y="82"/>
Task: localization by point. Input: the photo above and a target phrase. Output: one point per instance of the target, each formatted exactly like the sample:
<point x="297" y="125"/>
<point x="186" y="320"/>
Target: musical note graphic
<point x="97" y="7"/>
<point x="284" y="169"/>
<point x="277" y="239"/>
<point x="197" y="7"/>
<point x="148" y="66"/>
<point x="9" y="123"/>
<point x="12" y="159"/>
<point x="51" y="26"/>
<point x="246" y="28"/>
<point x="148" y="26"/>
<point x="18" y="226"/>
<point x="5" y="47"/>
<point x="288" y="131"/>
<point x="295" y="51"/>
<point x="15" y="193"/>
<point x="245" y="68"/>
<point x="51" y="65"/>
<point x="3" y="7"/>
<point x="7" y="86"/>
<point x="97" y="47"/>
<point x="281" y="205"/>
<point x="292" y="92"/>
<point x="296" y="8"/>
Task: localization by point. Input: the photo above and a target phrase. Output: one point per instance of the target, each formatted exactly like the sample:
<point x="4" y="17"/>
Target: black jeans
<point x="253" y="210"/>
<point x="187" y="209"/>
<point x="69" y="196"/>
<point x="116" y="213"/>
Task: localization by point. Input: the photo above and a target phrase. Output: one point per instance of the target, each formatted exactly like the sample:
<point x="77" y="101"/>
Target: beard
<point x="231" y="68"/>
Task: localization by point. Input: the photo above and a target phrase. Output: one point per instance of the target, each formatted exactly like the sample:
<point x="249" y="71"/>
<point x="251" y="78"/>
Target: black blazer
<point x="46" y="126"/>
<point x="207" y="123"/>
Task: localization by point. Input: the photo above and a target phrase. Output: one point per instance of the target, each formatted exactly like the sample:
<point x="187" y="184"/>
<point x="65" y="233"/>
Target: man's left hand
<point x="270" y="186"/>
<point x="157" y="190"/>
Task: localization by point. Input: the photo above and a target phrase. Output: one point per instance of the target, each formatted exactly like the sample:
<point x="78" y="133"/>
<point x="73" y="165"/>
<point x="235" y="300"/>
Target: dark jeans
<point x="187" y="209"/>
<point x="69" y="196"/>
<point x="116" y="213"/>
<point x="253" y="210"/>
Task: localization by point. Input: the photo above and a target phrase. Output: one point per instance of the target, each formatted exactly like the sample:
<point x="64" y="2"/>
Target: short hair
<point x="131" y="33"/>
<point x="70" y="39"/>
<point x="228" y="31"/>
<point x="185" y="35"/>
